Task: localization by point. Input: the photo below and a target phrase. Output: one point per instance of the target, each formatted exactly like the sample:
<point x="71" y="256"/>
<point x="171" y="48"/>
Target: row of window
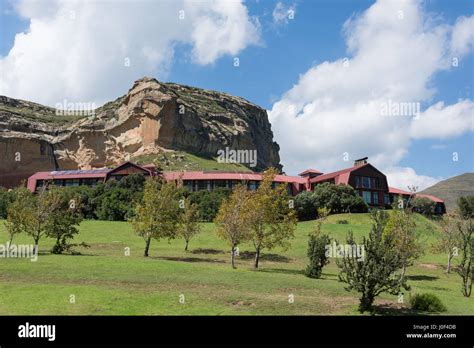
<point x="198" y="185"/>
<point x="68" y="182"/>
<point x="367" y="182"/>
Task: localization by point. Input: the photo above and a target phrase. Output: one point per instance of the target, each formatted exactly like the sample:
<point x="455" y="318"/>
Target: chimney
<point x="360" y="161"/>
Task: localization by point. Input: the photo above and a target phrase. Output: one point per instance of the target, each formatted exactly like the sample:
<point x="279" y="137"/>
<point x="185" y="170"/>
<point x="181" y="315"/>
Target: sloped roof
<point x="433" y="198"/>
<point x="397" y="191"/>
<point x="200" y="175"/>
<point x="310" y="171"/>
<point x="340" y="177"/>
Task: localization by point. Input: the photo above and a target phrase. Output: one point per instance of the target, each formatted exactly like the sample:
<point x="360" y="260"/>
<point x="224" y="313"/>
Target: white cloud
<point x="282" y="13"/>
<point x="394" y="51"/>
<point x="463" y="36"/>
<point x="403" y="177"/>
<point x="77" y="50"/>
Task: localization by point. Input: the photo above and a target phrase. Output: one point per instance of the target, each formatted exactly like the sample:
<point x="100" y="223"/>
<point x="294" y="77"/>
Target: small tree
<point x="466" y="206"/>
<point x="62" y="222"/>
<point x="317" y="247"/>
<point x="231" y="221"/>
<point x="189" y="222"/>
<point x="466" y="267"/>
<point x="423" y="206"/>
<point x="16" y="210"/>
<point x="156" y="215"/>
<point x="450" y="240"/>
<point x="272" y="223"/>
<point x="377" y="272"/>
<point x="401" y="225"/>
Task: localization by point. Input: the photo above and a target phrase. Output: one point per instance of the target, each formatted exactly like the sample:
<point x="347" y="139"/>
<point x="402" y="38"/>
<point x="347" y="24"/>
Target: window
<point x="202" y="185"/>
<point x="375" y="198"/>
<point x="365" y="182"/>
<point x="253" y="185"/>
<point x="367" y="196"/>
<point x="357" y="181"/>
<point x="386" y="199"/>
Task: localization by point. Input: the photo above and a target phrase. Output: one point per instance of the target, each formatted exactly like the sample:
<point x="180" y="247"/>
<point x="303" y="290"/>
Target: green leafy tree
<point x="401" y="225"/>
<point x="272" y="223"/>
<point x="157" y="214"/>
<point x="466" y="206"/>
<point x="466" y="266"/>
<point x="378" y="271"/>
<point x="450" y="241"/>
<point x="231" y="222"/>
<point x="317" y="247"/>
<point x="189" y="222"/>
<point x="423" y="206"/>
<point x="16" y="218"/>
<point x="63" y="221"/>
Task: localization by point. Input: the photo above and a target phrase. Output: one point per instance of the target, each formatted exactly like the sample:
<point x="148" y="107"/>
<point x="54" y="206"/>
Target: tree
<point x="466" y="206"/>
<point x="189" y="222"/>
<point x="466" y="267"/>
<point x="339" y="198"/>
<point x="231" y="222"/>
<point x="272" y="223"/>
<point x="377" y="272"/>
<point x="450" y="240"/>
<point x="156" y="215"/>
<point x="62" y="222"/>
<point x="423" y="206"/>
<point x="317" y="247"/>
<point x="401" y="225"/>
<point x="306" y="206"/>
<point x="15" y="214"/>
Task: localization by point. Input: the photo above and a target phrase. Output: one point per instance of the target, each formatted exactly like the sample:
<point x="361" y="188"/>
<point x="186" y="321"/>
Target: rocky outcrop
<point x="151" y="118"/>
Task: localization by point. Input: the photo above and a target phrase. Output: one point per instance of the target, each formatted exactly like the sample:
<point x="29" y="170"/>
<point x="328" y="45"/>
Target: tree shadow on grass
<point x="250" y="255"/>
<point x="207" y="251"/>
<point x="187" y="259"/>
<point x="282" y="270"/>
<point x="422" y="277"/>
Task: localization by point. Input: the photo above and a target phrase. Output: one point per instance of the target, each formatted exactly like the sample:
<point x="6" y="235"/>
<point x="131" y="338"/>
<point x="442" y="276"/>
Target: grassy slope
<point x="451" y="189"/>
<point x="188" y="162"/>
<point x="105" y="281"/>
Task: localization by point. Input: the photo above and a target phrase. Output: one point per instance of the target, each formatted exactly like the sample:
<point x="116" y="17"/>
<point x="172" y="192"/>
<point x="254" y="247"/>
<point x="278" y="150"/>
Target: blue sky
<point x="272" y="67"/>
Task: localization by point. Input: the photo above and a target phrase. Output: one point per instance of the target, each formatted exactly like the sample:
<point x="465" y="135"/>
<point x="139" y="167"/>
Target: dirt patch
<point x="428" y="265"/>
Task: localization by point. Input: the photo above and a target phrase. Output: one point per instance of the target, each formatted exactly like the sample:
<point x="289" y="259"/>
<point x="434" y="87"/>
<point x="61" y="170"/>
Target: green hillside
<point x="451" y="189"/>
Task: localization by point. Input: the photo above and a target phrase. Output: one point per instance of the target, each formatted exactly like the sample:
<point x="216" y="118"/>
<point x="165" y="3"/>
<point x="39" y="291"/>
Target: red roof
<point x="310" y="171"/>
<point x="340" y="177"/>
<point x="397" y="191"/>
<point x="433" y="198"/>
<point x="228" y="176"/>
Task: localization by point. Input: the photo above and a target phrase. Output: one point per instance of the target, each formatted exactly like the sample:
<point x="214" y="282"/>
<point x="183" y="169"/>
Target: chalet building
<point x="368" y="181"/>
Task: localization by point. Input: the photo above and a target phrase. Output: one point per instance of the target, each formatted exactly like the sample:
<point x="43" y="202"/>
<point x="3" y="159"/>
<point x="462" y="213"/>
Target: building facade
<point x="370" y="183"/>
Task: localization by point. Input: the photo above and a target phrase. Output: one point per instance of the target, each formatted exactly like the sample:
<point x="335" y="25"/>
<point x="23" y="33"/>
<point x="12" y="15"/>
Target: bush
<point x="6" y="197"/>
<point x="427" y="303"/>
<point x="306" y="206"/>
<point x="466" y="206"/>
<point x="209" y="202"/>
<point x="423" y="206"/>
<point x="342" y="222"/>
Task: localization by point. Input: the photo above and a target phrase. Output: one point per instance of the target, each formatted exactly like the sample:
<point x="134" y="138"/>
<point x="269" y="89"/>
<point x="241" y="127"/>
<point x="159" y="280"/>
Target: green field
<point x="105" y="281"/>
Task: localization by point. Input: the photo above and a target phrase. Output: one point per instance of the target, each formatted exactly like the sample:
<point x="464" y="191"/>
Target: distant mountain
<point x="451" y="189"/>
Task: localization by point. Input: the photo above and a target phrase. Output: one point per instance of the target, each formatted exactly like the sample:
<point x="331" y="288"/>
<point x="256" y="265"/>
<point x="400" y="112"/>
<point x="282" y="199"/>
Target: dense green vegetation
<point x="104" y="280"/>
<point x="335" y="198"/>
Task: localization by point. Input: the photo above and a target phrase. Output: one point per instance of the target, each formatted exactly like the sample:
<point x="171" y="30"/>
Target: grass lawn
<point x="103" y="280"/>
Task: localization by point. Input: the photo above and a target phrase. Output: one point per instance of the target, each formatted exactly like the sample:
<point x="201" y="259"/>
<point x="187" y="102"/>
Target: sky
<point x="341" y="79"/>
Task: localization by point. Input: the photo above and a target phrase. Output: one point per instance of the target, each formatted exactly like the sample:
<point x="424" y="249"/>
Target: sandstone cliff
<point x="152" y="118"/>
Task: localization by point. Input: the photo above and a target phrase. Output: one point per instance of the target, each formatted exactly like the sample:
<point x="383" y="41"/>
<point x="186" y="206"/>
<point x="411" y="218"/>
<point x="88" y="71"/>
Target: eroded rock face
<point x="150" y="118"/>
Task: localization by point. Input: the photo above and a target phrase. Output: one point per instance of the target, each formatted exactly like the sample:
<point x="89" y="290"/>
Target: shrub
<point x="427" y="303"/>
<point x="466" y="206"/>
<point x="317" y="244"/>
<point x="209" y="202"/>
<point x="6" y="197"/>
<point x="342" y="222"/>
<point x="423" y="206"/>
<point x="306" y="206"/>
